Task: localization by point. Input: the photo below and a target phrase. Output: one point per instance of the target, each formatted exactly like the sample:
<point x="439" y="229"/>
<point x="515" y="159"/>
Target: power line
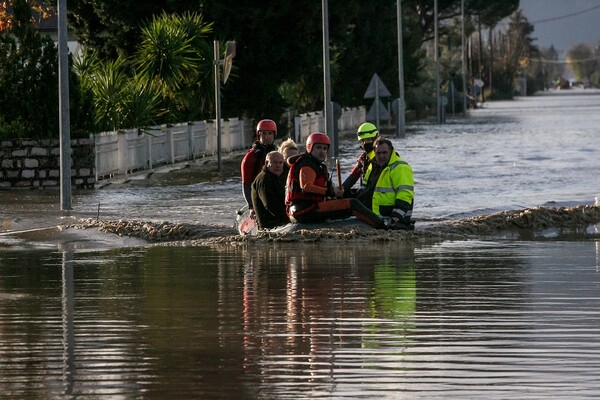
<point x="568" y="61"/>
<point x="564" y="16"/>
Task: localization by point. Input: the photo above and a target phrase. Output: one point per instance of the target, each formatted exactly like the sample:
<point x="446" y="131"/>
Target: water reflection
<point x="68" y="321"/>
<point x="289" y="320"/>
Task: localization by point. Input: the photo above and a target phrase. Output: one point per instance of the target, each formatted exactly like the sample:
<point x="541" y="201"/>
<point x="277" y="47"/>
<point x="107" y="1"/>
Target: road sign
<point x="229" y="56"/>
<point x="376" y="88"/>
<point x="378" y="106"/>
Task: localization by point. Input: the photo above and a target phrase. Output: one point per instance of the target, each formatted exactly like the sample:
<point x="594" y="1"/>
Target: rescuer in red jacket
<point x="308" y="189"/>
<point x="254" y="160"/>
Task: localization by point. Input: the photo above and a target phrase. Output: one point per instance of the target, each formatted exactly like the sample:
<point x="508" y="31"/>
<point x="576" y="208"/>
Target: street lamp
<point x="328" y="105"/>
<point x="400" y="118"/>
<point x="63" y="101"/>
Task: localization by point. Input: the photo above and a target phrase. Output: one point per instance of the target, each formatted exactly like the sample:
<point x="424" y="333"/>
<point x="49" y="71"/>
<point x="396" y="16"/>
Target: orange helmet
<point x="266" y="125"/>
<point x="316" y="138"/>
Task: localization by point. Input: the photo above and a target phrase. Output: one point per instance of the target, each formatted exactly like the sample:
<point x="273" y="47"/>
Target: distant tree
<point x="515" y="51"/>
<point x="584" y="61"/>
<point x="547" y="69"/>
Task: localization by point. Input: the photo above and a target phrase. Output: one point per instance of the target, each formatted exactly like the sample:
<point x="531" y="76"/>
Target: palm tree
<point x="175" y="57"/>
<point x="168" y="80"/>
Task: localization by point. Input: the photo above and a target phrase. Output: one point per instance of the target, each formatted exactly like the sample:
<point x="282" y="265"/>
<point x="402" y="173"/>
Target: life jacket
<point x="293" y="193"/>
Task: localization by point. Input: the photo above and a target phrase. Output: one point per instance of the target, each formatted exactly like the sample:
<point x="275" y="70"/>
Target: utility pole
<point x="63" y="101"/>
<point x="480" y="57"/>
<point x="437" y="63"/>
<point x="217" y="62"/>
<point x="491" y="70"/>
<point x="464" y="55"/>
<point x="401" y="112"/>
<point x="328" y="105"/>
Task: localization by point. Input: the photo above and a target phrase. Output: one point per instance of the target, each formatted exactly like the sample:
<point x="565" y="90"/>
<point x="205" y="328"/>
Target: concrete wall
<point x="36" y="163"/>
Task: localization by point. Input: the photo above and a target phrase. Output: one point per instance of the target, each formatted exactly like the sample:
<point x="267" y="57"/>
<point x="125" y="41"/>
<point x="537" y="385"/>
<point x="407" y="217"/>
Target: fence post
<point x="93" y="137"/>
<point x="171" y="143"/>
<point x="149" y="146"/>
<point x="191" y="152"/>
<point x="122" y="149"/>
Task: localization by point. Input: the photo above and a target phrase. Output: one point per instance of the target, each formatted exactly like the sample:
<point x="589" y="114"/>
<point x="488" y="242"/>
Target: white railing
<point x="125" y="151"/>
<point x="305" y="124"/>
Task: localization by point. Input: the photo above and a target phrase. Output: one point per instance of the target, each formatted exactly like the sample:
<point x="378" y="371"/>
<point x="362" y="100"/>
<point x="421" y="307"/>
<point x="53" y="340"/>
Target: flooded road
<point x="419" y="318"/>
<point x="529" y="152"/>
<point x="455" y="320"/>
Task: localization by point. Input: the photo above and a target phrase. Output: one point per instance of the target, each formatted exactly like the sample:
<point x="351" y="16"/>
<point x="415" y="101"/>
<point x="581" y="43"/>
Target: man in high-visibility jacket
<point x="367" y="133"/>
<point x="394" y="193"/>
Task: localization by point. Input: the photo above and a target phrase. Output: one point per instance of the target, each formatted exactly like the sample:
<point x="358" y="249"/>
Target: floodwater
<point x="529" y="152"/>
<point x="461" y="319"/>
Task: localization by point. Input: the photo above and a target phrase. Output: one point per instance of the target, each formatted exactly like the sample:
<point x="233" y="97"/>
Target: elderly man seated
<point x="268" y="193"/>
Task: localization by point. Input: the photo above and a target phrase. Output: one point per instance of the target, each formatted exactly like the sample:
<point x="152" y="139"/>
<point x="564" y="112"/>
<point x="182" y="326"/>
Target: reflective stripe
<point x="405" y="187"/>
<point x="394" y="190"/>
<point x="394" y="165"/>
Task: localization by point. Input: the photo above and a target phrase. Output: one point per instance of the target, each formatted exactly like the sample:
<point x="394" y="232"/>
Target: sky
<point x="563" y="23"/>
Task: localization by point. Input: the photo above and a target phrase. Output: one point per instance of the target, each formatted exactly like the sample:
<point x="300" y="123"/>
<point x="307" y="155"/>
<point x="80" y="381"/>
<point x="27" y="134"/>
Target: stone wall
<point x="29" y="163"/>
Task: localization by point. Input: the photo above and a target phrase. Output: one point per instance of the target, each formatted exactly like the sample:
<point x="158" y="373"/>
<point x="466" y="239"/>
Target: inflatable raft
<point x="246" y="224"/>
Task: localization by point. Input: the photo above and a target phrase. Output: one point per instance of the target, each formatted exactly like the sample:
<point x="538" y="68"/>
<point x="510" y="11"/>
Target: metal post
<point x="63" y="83"/>
<point x="217" y="103"/>
<point x="437" y="63"/>
<point x="401" y="112"/>
<point x="464" y="61"/>
<point x="327" y="106"/>
<point x="377" y="103"/>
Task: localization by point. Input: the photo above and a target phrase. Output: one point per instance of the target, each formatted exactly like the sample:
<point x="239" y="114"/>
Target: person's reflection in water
<point x="324" y="302"/>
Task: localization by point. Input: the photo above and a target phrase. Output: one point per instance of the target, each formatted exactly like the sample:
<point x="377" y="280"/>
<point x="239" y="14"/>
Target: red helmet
<point x="316" y="138"/>
<point x="266" y="125"/>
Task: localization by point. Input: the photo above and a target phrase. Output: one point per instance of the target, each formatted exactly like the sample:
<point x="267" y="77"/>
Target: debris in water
<point x="520" y="224"/>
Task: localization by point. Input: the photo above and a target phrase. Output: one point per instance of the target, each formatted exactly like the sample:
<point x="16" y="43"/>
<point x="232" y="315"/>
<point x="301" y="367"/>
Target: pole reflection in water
<point x="68" y="294"/>
<point x="291" y="298"/>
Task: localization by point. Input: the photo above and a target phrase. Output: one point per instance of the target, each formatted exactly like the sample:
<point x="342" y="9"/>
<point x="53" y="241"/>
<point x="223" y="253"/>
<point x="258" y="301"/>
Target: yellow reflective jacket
<point x="395" y="186"/>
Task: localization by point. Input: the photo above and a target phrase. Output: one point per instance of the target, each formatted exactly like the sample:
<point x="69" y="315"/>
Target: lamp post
<point x="400" y="118"/>
<point x="328" y="105"/>
<point x="437" y="62"/>
<point x="464" y="55"/>
<point x="218" y="102"/>
<point x="63" y="101"/>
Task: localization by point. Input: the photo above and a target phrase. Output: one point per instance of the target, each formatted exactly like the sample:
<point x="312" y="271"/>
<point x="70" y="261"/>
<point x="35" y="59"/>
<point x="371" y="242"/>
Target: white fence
<point x="305" y="124"/>
<point x="126" y="151"/>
